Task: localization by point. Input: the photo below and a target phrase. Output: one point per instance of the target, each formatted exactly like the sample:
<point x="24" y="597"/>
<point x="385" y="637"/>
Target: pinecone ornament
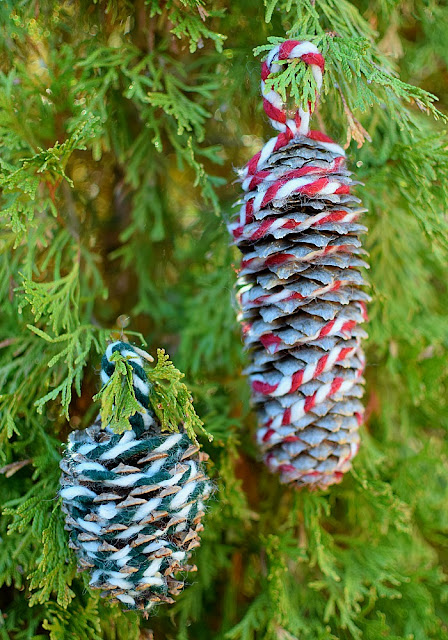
<point x="133" y="501"/>
<point x="301" y="293"/>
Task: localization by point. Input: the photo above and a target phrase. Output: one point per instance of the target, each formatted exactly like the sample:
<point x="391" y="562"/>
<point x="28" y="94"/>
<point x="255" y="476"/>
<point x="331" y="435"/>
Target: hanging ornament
<point x="300" y="291"/>
<point x="133" y="501"/>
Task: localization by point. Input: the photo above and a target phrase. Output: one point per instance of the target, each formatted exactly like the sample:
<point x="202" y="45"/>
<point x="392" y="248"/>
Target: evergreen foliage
<point x="120" y="125"/>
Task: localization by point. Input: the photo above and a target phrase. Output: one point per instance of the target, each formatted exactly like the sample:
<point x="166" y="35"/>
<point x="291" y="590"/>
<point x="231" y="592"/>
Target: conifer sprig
<point x="169" y="398"/>
<point x="355" y="65"/>
<point x="118" y="401"/>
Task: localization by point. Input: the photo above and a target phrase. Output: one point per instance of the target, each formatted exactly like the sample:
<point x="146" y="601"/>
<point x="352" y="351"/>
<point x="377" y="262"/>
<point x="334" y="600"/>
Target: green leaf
<point x="118" y="402"/>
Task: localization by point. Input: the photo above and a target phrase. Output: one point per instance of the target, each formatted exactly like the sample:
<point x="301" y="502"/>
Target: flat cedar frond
<point x="19" y="183"/>
<point x="349" y="58"/>
<point x="171" y="400"/>
<point x="169" y="397"/>
<point x="49" y="575"/>
<point x="57" y="300"/>
<point x="194" y="26"/>
<point x="118" y="402"/>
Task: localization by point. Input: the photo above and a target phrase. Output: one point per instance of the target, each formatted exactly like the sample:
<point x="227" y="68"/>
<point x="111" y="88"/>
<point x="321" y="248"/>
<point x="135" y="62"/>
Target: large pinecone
<point x="133" y="501"/>
<point x="301" y="299"/>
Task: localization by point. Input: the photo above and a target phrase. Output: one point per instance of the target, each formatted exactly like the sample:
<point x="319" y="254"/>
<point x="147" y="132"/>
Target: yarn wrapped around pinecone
<point x="300" y="292"/>
<point x="133" y="501"/>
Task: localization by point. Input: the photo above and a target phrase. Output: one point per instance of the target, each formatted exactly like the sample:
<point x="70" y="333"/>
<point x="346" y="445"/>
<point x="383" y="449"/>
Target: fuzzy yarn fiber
<point x="133" y="501"/>
<point x="301" y="291"/>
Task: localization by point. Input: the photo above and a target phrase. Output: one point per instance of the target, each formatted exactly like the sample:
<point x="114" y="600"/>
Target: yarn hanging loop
<point x="288" y="128"/>
<point x="272" y="101"/>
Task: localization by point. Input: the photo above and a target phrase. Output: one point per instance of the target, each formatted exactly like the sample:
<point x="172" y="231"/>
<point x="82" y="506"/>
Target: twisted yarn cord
<point x="272" y="102"/>
<point x="280" y="228"/>
<point x="309" y="180"/>
<point x="133" y="501"/>
<point x="145" y="418"/>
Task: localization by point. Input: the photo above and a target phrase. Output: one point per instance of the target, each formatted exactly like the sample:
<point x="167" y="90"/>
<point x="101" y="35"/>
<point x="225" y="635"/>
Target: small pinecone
<point x="133" y="501"/>
<point x="301" y="299"/>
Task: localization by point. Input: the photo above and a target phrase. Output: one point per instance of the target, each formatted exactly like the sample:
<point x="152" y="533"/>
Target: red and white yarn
<point x="304" y="405"/>
<point x="339" y="369"/>
<point x="272" y="104"/>
<point x="290" y="384"/>
<point x="310" y="180"/>
<point x="343" y="326"/>
<point x="288" y="184"/>
<point x="248" y="301"/>
<point x="252" y="264"/>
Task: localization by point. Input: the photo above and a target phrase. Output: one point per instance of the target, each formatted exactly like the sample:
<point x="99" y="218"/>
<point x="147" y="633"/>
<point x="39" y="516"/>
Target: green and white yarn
<point x="133" y="501"/>
<point x="144" y="419"/>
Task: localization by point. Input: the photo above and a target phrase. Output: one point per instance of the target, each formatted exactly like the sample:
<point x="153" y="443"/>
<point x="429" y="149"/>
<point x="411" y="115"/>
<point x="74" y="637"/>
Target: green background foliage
<point x="120" y="127"/>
